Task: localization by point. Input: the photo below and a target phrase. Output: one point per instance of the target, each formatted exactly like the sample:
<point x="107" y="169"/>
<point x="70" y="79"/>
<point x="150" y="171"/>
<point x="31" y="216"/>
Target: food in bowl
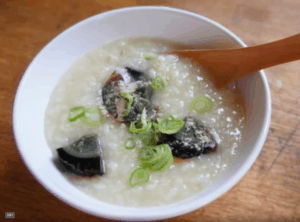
<point x="136" y="126"/>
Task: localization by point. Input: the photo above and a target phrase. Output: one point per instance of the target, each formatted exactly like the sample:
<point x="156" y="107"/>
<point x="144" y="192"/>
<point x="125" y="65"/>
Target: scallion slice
<point x="76" y="113"/>
<point x="162" y="164"/>
<point x="129" y="99"/>
<point x="156" y="158"/>
<point x="159" y="83"/>
<point x="138" y="177"/>
<point x="170" y="125"/>
<point x="130" y="144"/>
<point x="92" y="117"/>
<point x="155" y="125"/>
<point x="147" y="137"/>
<point x="147" y="156"/>
<point x="202" y="104"/>
<point x="149" y="57"/>
<point x="134" y="126"/>
<point x="166" y="159"/>
<point x="143" y="130"/>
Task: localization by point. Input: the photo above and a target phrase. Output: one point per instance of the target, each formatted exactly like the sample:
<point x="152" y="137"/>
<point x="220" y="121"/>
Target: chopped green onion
<point x="76" y="113"/>
<point x="143" y="130"/>
<point x="166" y="159"/>
<point x="148" y="138"/>
<point x="158" y="83"/>
<point x="170" y="125"/>
<point x="138" y="177"/>
<point x="131" y="142"/>
<point x="155" y="135"/>
<point x="92" y="117"/>
<point x="147" y="156"/>
<point x="129" y="99"/>
<point x="156" y="158"/>
<point x="149" y="57"/>
<point x="157" y="150"/>
<point x="163" y="164"/>
<point x="202" y="104"/>
<point x="144" y="137"/>
<point x="155" y="125"/>
<point x="156" y="130"/>
<point x="134" y="126"/>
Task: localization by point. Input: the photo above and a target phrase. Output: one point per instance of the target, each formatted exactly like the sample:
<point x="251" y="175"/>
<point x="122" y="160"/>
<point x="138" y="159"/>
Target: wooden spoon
<point x="225" y="66"/>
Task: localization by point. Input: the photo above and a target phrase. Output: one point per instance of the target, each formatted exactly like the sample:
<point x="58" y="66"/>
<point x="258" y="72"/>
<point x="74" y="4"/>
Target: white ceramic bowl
<point x="52" y="61"/>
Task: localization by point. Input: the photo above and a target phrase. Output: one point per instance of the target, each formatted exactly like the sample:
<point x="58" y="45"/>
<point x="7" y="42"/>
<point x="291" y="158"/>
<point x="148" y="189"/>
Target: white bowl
<point x="52" y="61"/>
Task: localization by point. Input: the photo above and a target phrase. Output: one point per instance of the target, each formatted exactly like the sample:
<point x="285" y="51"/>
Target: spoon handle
<point x="228" y="65"/>
<point x="271" y="54"/>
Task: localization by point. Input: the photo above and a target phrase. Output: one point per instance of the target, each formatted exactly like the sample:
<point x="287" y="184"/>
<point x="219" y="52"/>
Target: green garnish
<point x="170" y="125"/>
<point x="76" y="113"/>
<point x="156" y="158"/>
<point x="139" y="127"/>
<point x="149" y="57"/>
<point x="147" y="156"/>
<point x="142" y="130"/>
<point x="155" y="125"/>
<point x="92" y="117"/>
<point x="149" y="137"/>
<point x="129" y="99"/>
<point x="138" y="177"/>
<point x="130" y="144"/>
<point x="159" y="83"/>
<point x="202" y="104"/>
<point x="163" y="164"/>
<point x="89" y="116"/>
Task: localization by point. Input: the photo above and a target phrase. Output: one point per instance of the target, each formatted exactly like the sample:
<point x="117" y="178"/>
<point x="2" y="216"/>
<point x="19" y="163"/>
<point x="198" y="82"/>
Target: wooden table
<point x="270" y="191"/>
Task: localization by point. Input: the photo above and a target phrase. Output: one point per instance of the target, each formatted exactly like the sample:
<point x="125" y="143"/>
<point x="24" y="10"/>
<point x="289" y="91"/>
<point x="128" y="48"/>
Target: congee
<point x="131" y="125"/>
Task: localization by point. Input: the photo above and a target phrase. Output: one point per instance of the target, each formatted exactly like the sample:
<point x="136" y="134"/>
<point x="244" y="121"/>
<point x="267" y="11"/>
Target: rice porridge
<point x="184" y="81"/>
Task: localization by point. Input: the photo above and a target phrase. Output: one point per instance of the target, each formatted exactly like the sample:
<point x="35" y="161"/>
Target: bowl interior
<point x="159" y="22"/>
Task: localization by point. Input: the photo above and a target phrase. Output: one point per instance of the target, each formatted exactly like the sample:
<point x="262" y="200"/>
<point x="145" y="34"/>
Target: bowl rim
<point x="173" y="211"/>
